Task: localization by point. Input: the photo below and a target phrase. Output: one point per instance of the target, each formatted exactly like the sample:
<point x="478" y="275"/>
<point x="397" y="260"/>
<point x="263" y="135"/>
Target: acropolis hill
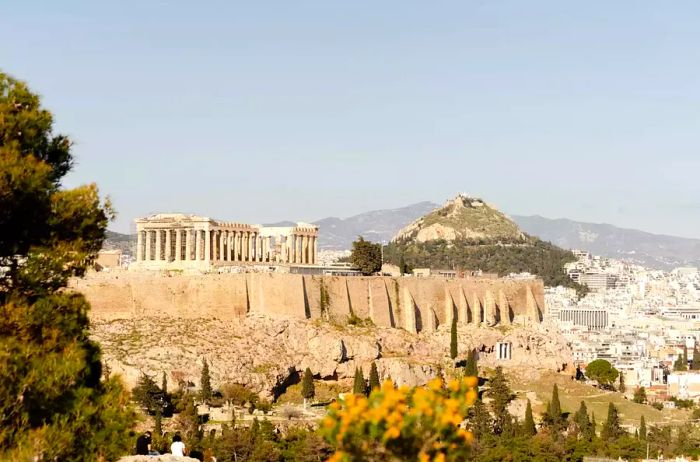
<point x="251" y="299"/>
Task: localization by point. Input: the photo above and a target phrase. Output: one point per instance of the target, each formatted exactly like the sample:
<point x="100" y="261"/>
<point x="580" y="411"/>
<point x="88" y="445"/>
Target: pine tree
<point x="308" y="391"/>
<point x="53" y="403"/>
<point x="529" y="423"/>
<point x="205" y="391"/>
<point x="471" y="368"/>
<point x="642" y="429"/>
<point x="500" y="394"/>
<point x="359" y="386"/>
<point x="164" y="384"/>
<point x="147" y="394"/>
<point x="373" y="377"/>
<point x="611" y="428"/>
<point x="453" y="338"/>
<point x="480" y="420"/>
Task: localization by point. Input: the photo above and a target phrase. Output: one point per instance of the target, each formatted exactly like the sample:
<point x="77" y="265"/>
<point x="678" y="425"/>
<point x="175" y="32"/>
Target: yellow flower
<point x="454" y="385"/>
<point x="471" y="382"/>
<point x="337" y="457"/>
<point x="392" y="433"/>
<point x="423" y="457"/>
<point x="471" y="397"/>
<point x="440" y="457"/>
<point x="435" y="384"/>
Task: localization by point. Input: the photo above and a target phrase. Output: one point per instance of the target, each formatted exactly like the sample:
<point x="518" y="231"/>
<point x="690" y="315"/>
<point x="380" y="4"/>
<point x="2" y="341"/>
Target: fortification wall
<point x="415" y="304"/>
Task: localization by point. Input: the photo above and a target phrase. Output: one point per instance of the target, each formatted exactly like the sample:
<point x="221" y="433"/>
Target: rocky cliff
<point x="267" y="355"/>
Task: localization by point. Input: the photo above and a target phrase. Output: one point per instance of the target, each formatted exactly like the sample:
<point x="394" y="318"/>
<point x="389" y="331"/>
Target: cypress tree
<point x="308" y="391"/>
<point x="55" y="403"/>
<point x="529" y="423"/>
<point x="696" y="359"/>
<point x="555" y="405"/>
<point x="373" y="377"/>
<point x="164" y="384"/>
<point x="622" y="386"/>
<point x="471" y="368"/>
<point x="594" y="424"/>
<point x="611" y="427"/>
<point x="205" y="391"/>
<point x="642" y="429"/>
<point x="585" y="427"/>
<point x="359" y="386"/>
<point x="453" y="338"/>
<point x="685" y="356"/>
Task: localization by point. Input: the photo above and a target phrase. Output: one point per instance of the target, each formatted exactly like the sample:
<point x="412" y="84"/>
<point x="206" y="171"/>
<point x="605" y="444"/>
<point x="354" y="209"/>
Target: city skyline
<point x="267" y="113"/>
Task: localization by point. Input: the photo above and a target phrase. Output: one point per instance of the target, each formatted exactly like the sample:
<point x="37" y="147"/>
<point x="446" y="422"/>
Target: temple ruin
<point x="179" y="241"/>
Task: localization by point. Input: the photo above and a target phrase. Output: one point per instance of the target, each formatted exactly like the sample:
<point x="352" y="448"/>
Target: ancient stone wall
<point x="414" y="304"/>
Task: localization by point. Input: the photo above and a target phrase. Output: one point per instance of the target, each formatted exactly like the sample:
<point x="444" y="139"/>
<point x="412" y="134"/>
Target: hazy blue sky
<point x="262" y="111"/>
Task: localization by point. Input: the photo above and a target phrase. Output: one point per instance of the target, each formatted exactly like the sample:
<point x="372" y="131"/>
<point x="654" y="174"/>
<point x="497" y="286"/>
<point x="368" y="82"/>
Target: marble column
<point x="315" y="249"/>
<point x="168" y="245"/>
<point x="178" y="244"/>
<point x="297" y="250"/>
<point x="198" y="244"/>
<point x="159" y="244"/>
<point x="222" y="246"/>
<point x="148" y="244"/>
<point x="188" y="244"/>
<point x="258" y="248"/>
<point x="229" y="246"/>
<point x="207" y="245"/>
<point x="139" y="246"/>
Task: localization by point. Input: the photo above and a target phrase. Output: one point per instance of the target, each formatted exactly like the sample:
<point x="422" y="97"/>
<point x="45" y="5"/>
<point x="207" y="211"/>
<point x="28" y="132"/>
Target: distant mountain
<point x="125" y="242"/>
<point x="651" y="250"/>
<point x="376" y="226"/>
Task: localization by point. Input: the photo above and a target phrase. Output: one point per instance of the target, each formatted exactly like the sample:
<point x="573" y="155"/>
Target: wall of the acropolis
<point x="415" y="304"/>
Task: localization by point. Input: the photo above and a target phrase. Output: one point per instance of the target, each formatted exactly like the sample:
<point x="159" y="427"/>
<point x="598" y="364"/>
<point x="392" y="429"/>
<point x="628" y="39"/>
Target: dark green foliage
<point x="696" y="359"/>
<point x="553" y="418"/>
<point x="528" y="428"/>
<point x="642" y="429"/>
<point x="308" y="391"/>
<point x="621" y="386"/>
<point x="366" y="256"/>
<point x="359" y="386"/>
<point x="147" y="394"/>
<point x="453" y="338"/>
<point x="374" y="377"/>
<point x="205" y="391"/>
<point x="533" y="255"/>
<point x="471" y="368"/>
<point x="640" y="395"/>
<point x="480" y="420"/>
<point x="603" y="372"/>
<point x="611" y="427"/>
<point x="584" y="426"/>
<point x="681" y="363"/>
<point x="53" y="403"/>
<point x="500" y="394"/>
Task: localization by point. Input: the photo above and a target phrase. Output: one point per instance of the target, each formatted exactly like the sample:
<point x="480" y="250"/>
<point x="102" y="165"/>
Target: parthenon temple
<point x="179" y="241"/>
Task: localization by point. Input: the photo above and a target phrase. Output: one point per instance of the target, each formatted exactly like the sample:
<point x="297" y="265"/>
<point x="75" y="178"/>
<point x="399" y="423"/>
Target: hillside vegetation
<point x="466" y="234"/>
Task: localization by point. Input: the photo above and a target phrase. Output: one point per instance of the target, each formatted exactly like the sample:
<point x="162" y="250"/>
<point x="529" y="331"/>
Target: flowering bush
<point x="421" y="424"/>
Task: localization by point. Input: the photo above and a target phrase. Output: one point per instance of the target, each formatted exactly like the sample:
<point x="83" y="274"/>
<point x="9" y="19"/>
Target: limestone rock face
<point x="462" y="218"/>
<point x="267" y="354"/>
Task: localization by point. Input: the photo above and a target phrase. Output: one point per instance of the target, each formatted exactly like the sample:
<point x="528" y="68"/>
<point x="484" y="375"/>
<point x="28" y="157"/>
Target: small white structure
<point x="504" y="351"/>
